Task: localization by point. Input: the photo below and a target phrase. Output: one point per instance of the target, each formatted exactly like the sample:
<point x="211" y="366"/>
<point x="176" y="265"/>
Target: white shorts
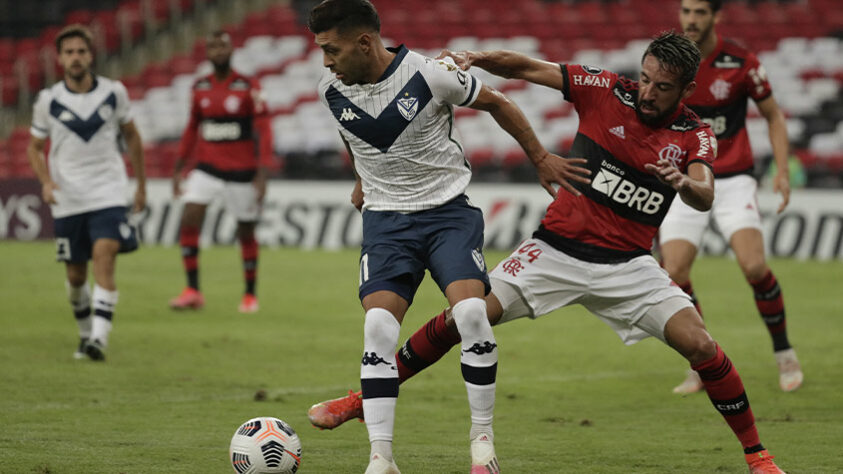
<point x="735" y="207"/>
<point x="635" y="298"/>
<point x="240" y="199"/>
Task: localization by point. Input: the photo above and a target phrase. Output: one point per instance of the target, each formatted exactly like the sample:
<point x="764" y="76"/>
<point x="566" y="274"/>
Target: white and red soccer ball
<point x="265" y="445"/>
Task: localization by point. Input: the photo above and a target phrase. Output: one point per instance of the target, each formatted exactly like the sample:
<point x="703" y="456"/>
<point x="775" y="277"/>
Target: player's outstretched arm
<point x="133" y="141"/>
<point x="510" y="65"/>
<point x="695" y="188"/>
<point x="35" y="153"/>
<point x="551" y="169"/>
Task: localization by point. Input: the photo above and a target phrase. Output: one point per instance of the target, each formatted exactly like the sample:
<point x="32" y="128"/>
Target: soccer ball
<point x="265" y="445"/>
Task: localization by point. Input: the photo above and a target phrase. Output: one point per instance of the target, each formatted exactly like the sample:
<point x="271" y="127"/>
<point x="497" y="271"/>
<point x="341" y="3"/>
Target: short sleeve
<point x="756" y="82"/>
<point x="586" y="85"/>
<point x="123" y="109"/>
<point x="702" y="146"/>
<point x="40" y="127"/>
<point x="449" y="84"/>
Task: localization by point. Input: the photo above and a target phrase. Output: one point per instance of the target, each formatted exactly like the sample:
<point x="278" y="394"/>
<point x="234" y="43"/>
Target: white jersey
<point x="401" y="131"/>
<point x="85" y="160"/>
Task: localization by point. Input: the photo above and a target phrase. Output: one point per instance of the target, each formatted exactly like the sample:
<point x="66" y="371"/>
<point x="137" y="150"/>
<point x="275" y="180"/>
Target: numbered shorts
<point x="735" y="207"/>
<point x="635" y="298"/>
<point x="76" y="234"/>
<point x="397" y="248"/>
<point x="240" y="199"/>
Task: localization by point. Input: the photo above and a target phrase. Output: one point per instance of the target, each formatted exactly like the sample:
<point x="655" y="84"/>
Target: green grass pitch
<point x="571" y="397"/>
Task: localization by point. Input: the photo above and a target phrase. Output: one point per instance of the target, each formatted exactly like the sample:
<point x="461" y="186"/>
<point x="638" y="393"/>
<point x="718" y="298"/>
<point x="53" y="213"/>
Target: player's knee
<point x="470" y="315"/>
<point x="754" y="270"/>
<point x="701" y="348"/>
<point x="678" y="273"/>
<point x="381" y="329"/>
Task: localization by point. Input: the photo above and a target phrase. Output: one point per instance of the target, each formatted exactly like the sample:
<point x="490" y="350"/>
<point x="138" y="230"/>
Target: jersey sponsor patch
<point x="728" y="61"/>
<point x="592" y="69"/>
<point x="590" y="80"/>
<point x="218" y="130"/>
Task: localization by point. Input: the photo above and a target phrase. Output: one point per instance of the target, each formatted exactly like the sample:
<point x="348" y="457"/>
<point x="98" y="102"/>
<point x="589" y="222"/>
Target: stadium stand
<point x="798" y="42"/>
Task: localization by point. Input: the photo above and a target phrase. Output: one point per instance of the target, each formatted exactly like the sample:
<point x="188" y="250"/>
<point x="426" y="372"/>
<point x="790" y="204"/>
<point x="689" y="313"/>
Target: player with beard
<point x="85" y="182"/>
<point x="643" y="147"/>
<point x="729" y="75"/>
<point x="227" y="118"/>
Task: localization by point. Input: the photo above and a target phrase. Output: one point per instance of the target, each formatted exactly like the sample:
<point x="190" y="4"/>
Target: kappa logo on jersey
<point x="408" y="106"/>
<point x="610" y="181"/>
<point x="720" y="89"/>
<point x="348" y="114"/>
<point x="478" y="260"/>
<point x="618" y="131"/>
<point x="674" y="154"/>
<point x="593" y="81"/>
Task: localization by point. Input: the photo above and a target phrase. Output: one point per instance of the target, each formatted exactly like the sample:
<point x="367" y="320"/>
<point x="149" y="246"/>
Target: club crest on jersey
<point x="408" y="106"/>
<point x="673" y="154"/>
<point x="231" y="104"/>
<point x="720" y="89"/>
<point x="105" y="111"/>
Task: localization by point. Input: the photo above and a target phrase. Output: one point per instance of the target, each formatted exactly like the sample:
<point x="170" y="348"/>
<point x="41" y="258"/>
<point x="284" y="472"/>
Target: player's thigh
<point x="635" y="298"/>
<point x="73" y="242"/>
<point x="683" y="222"/>
<point x="677" y="258"/>
<point x="201" y="188"/>
<point x="537" y="279"/>
<point x="390" y="255"/>
<point x="241" y="200"/>
<point x="112" y="224"/>
<point x="454" y="245"/>
<point x="735" y="205"/>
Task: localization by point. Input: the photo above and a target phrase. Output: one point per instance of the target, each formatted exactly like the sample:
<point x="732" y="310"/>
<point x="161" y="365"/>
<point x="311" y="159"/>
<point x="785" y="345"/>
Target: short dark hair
<point x="75" y="31"/>
<point x="344" y="15"/>
<point x="218" y="34"/>
<point x="677" y="54"/>
<point x="715" y="5"/>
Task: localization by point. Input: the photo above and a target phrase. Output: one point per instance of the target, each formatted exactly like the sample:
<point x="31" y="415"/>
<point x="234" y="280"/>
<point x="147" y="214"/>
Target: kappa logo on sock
<point x="486" y="348"/>
<point x="373" y="359"/>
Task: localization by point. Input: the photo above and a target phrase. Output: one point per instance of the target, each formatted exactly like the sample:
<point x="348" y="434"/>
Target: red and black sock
<point x="725" y="389"/>
<point x="249" y="253"/>
<point x="189" y="241"/>
<point x="425" y="347"/>
<point x="768" y="299"/>
<point x="689" y="290"/>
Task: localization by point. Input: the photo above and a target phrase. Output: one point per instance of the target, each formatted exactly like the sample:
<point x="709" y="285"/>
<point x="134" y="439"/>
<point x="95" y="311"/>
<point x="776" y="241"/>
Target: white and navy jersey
<point x="401" y="131"/>
<point x="84" y="160"/>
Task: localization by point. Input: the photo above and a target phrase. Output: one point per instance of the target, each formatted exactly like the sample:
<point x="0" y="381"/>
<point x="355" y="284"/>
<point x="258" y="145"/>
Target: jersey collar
<point x="94" y="84"/>
<point x="715" y="52"/>
<point x="400" y="52"/>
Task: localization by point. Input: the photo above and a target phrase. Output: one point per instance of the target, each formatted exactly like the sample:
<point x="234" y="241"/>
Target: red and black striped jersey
<point x="619" y="213"/>
<point x="229" y="131"/>
<point x="727" y="78"/>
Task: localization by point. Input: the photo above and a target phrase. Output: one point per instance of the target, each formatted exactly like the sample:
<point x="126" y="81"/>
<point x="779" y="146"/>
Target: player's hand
<point x="357" y="195"/>
<point x="462" y="59"/>
<point x="260" y="185"/>
<point x="177" y="185"/>
<point x="668" y="174"/>
<point x="140" y="199"/>
<point x="781" y="184"/>
<point x="47" y="192"/>
<point x="553" y="169"/>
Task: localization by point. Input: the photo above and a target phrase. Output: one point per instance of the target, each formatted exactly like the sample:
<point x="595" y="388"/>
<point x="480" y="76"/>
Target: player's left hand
<point x="462" y="59"/>
<point x="781" y="184"/>
<point x="553" y="169"/>
<point x="668" y="174"/>
<point x="140" y="199"/>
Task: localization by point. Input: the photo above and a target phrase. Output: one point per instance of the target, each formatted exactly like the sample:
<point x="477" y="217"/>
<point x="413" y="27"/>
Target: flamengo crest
<point x="408" y="106"/>
<point x="673" y="154"/>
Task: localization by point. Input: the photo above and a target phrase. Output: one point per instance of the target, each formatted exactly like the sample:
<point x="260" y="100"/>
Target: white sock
<point x="80" y="301"/>
<point x="479" y="361"/>
<point x="104" y="303"/>
<point x="379" y="378"/>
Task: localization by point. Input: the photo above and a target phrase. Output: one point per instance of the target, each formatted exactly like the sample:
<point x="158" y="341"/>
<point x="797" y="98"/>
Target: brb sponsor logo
<point x="611" y="182"/>
<point x="221" y="131"/>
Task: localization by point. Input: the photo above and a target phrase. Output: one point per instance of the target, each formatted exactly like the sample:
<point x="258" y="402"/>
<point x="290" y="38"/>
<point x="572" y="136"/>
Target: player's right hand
<point x="554" y="169"/>
<point x="176" y="185"/>
<point x="462" y="59"/>
<point x="47" y="192"/>
<point x="357" y="195"/>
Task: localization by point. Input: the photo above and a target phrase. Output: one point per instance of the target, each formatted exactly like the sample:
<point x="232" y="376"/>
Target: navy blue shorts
<point x="76" y="234"/>
<point x="397" y="248"/>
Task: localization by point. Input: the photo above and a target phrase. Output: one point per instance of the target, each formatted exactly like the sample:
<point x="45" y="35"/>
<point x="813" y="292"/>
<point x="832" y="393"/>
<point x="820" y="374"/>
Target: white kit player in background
<point x="395" y="112"/>
<point x="86" y="184"/>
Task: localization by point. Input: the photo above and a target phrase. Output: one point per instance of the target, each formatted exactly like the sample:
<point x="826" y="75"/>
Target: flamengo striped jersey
<point x="85" y="160"/>
<point x="401" y="131"/>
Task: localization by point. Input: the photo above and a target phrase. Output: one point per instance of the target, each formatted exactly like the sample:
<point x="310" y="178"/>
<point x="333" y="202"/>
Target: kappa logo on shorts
<point x="478" y="260"/>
